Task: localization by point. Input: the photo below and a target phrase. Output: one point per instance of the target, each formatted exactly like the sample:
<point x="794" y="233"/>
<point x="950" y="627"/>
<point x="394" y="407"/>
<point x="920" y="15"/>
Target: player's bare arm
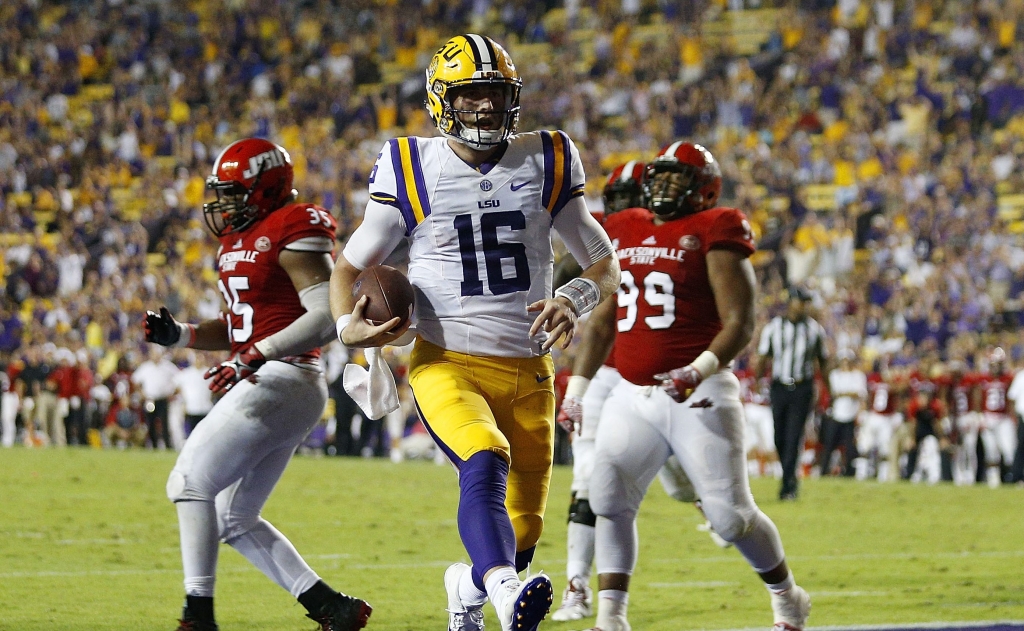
<point x="558" y="316"/>
<point x="595" y="344"/>
<point x="161" y="328"/>
<point x="596" y="341"/>
<point x="357" y="332"/>
<point x="732" y="281"/>
<point x="310" y="273"/>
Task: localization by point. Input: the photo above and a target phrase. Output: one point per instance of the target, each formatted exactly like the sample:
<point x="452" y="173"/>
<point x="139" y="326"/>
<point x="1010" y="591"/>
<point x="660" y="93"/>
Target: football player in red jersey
<point x="581" y="413"/>
<point x="969" y="419"/>
<point x="999" y="425"/>
<point x="882" y="418"/>
<point x="274" y="262"/>
<point x="684" y="310"/>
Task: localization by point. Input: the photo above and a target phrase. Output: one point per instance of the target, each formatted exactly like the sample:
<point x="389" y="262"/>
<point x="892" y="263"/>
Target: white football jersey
<point x="480" y="238"/>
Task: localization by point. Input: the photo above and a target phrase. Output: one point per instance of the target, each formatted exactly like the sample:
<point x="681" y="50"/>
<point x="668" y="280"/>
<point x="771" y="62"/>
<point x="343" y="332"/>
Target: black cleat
<point x="342" y="613"/>
<point x="196" y="625"/>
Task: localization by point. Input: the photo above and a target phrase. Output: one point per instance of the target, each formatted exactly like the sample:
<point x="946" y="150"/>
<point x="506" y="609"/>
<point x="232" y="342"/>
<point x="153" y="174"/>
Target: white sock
<point x="611" y="604"/>
<point x="271" y="552"/>
<point x="580" y="550"/>
<point x="495" y="584"/>
<point x="784" y="586"/>
<point x="197" y="522"/>
<point x="200" y="586"/>
<point x="469" y="593"/>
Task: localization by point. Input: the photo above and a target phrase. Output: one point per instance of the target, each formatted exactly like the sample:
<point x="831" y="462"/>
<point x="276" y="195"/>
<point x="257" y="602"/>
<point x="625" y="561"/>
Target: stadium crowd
<point x="874" y="145"/>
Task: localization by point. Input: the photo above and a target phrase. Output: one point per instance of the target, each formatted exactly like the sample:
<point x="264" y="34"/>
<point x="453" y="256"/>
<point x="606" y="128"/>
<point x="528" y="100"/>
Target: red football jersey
<point x="666" y="309"/>
<point x="922" y="383"/>
<point x="993" y="392"/>
<point x="261" y="299"/>
<point x="880" y="394"/>
<point x="964" y="393"/>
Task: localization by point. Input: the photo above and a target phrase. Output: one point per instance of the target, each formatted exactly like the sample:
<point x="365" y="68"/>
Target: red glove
<point x="242" y="366"/>
<point x="680" y="383"/>
<point x="570" y="417"/>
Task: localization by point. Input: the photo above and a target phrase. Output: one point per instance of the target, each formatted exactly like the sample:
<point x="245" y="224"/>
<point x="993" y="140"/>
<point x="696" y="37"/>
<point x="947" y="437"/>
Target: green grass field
<point x="89" y="541"/>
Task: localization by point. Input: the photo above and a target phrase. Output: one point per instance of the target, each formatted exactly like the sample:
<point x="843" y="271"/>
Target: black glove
<point x="161" y="328"/>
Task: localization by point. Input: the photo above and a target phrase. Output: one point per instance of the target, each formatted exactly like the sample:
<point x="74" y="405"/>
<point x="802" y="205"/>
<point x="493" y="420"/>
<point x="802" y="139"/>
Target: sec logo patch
<point x="689" y="242"/>
<point x="263" y="244"/>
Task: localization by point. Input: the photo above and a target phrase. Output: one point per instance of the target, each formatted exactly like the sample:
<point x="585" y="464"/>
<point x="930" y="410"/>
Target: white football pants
<point x="641" y="426"/>
<point x="580" y="537"/>
<point x="231" y="463"/>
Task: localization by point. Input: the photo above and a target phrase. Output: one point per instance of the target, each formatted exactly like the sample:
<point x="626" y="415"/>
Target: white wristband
<point x="582" y="293"/>
<point x="706" y="364"/>
<point x="577" y="386"/>
<point x="186" y="335"/>
<point x="341" y="324"/>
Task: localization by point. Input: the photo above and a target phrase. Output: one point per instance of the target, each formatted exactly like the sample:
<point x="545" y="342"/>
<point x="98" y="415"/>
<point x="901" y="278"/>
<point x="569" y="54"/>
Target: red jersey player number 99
<point x="658" y="288"/>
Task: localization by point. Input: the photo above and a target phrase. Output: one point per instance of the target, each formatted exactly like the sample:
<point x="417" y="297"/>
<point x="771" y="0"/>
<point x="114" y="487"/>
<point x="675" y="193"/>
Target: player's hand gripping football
<point x="360" y="333"/>
<point x="570" y="416"/>
<point x="161" y="328"/>
<point x="557" y="318"/>
<point x="241" y="366"/>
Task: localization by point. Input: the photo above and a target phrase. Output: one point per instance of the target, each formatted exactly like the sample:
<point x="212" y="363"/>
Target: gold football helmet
<point x="472" y="60"/>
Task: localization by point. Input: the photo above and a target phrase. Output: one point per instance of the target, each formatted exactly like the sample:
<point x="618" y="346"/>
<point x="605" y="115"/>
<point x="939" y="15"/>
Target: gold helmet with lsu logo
<point x="472" y="60"/>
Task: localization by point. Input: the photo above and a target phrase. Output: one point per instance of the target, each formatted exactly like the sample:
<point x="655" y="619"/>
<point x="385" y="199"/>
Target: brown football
<point x="389" y="291"/>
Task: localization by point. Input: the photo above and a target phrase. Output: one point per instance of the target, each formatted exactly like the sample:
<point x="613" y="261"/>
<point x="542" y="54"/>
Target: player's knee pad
<point x="610" y="497"/>
<point x="179" y="489"/>
<point x="731" y="521"/>
<point x="581" y="513"/>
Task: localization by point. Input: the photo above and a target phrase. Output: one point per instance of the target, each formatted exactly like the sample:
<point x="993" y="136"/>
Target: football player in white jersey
<point x="478" y="205"/>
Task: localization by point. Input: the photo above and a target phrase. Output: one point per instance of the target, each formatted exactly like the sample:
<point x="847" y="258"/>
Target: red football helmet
<point x="624" y="188"/>
<point x="698" y="188"/>
<point x="251" y="178"/>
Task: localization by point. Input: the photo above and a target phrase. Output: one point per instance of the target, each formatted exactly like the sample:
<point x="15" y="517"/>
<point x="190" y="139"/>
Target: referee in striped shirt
<point x="793" y="343"/>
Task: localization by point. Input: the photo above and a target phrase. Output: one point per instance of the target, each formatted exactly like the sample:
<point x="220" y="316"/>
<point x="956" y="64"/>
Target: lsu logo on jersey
<point x="274" y="158"/>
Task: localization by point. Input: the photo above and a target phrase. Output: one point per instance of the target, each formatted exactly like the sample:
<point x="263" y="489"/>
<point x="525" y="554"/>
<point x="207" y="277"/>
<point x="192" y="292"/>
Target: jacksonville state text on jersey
<point x="260" y="297"/>
<point x="666" y="308"/>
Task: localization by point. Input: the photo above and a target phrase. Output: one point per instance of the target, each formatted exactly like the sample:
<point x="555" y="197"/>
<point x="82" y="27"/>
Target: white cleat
<point x="577" y="601"/>
<point x="526" y="604"/>
<point x="461" y="617"/>
<point x="617" y="623"/>
<point x="791" y="609"/>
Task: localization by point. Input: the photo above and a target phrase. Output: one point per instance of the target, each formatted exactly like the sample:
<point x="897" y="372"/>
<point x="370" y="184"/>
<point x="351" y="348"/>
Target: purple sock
<point x="484" y="525"/>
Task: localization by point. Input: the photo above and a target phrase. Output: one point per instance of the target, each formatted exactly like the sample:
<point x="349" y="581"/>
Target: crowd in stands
<point x="875" y="145"/>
